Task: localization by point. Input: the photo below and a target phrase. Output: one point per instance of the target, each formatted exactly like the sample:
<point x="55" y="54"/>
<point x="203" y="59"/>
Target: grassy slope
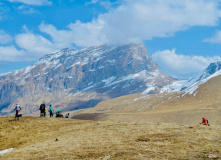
<point x="173" y="107"/>
<point x="34" y="138"/>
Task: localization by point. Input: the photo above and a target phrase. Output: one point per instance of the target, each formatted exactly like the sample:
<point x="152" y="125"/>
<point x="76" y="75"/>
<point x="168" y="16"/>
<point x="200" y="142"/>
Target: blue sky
<point x="183" y="37"/>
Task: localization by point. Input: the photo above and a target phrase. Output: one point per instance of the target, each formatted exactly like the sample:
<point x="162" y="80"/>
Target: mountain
<point x="201" y="99"/>
<point x="189" y="86"/>
<point x="71" y="79"/>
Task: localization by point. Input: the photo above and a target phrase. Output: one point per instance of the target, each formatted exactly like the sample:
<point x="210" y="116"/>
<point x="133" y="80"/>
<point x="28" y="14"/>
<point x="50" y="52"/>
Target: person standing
<point x="17" y="109"/>
<point x="51" y="110"/>
<point x="42" y="109"/>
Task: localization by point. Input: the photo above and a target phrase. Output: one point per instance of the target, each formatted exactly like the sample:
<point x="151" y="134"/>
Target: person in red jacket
<point x="204" y="121"/>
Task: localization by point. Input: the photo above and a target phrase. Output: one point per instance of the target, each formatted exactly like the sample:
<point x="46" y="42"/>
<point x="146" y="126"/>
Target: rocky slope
<point x="72" y="79"/>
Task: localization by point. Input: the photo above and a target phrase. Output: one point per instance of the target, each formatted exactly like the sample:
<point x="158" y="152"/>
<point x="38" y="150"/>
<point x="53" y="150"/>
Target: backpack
<point x="207" y="121"/>
<point x="41" y="107"/>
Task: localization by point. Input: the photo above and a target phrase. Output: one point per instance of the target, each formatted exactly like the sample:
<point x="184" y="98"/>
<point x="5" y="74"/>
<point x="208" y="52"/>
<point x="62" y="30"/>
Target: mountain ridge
<point x="187" y="86"/>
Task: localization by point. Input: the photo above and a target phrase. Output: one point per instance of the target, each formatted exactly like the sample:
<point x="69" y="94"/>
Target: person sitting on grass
<point x="205" y="121"/>
<point x="58" y="114"/>
<point x="67" y="115"/>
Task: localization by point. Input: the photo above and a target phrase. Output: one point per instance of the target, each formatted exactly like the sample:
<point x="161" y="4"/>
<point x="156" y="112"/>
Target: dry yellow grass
<point x="35" y="138"/>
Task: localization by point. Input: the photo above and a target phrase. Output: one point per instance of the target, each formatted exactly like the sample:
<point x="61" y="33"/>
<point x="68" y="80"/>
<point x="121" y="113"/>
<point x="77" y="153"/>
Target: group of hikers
<point x="43" y="111"/>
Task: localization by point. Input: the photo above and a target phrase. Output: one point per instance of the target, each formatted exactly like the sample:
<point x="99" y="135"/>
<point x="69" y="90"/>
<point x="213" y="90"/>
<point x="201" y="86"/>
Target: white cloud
<point x="92" y="2"/>
<point x="182" y="65"/>
<point x="4" y="37"/>
<point x="215" y="39"/>
<point x="27" y="10"/>
<point x="134" y="21"/>
<point x="10" y="53"/>
<point x="30" y="47"/>
<point x="33" y="2"/>
<point x="80" y="34"/>
<point x="35" y="45"/>
<point x="130" y="21"/>
<point x="107" y="4"/>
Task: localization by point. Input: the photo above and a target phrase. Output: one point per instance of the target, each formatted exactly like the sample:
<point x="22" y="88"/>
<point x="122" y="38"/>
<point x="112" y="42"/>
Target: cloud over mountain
<point x="182" y="65"/>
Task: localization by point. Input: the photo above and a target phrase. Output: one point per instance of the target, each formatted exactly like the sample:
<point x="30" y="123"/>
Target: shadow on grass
<point x="90" y="116"/>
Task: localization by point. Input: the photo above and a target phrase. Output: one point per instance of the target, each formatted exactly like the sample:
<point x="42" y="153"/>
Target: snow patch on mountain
<point x="195" y="86"/>
<point x="174" y="87"/>
<point x="108" y="81"/>
<point x="149" y="88"/>
<point x="140" y="109"/>
<point x="136" y="99"/>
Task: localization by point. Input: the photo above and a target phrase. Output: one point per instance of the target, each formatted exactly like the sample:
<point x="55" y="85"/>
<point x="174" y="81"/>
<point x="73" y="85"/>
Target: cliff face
<point x="72" y="79"/>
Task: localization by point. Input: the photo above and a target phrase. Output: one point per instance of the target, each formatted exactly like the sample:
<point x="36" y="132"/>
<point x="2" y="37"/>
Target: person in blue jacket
<point x="51" y="110"/>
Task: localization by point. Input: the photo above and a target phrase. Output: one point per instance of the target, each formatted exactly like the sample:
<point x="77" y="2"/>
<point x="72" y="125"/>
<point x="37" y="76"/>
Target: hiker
<point x="67" y="115"/>
<point x="58" y="114"/>
<point x="17" y="109"/>
<point x="50" y="110"/>
<point x="42" y="109"/>
<point x="205" y="121"/>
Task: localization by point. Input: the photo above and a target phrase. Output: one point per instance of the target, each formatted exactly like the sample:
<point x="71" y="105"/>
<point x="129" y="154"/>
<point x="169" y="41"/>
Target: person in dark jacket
<point x="17" y="109"/>
<point x="42" y="109"/>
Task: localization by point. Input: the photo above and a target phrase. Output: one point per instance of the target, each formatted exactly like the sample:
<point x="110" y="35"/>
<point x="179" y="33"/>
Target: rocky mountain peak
<point x="213" y="67"/>
<point x="189" y="86"/>
<point x="74" y="79"/>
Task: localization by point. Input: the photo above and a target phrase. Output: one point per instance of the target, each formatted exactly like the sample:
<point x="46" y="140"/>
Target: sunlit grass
<point x="35" y="138"/>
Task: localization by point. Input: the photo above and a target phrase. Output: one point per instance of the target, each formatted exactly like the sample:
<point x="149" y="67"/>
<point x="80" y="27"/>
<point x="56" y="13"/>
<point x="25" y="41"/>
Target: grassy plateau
<point x="59" y="138"/>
